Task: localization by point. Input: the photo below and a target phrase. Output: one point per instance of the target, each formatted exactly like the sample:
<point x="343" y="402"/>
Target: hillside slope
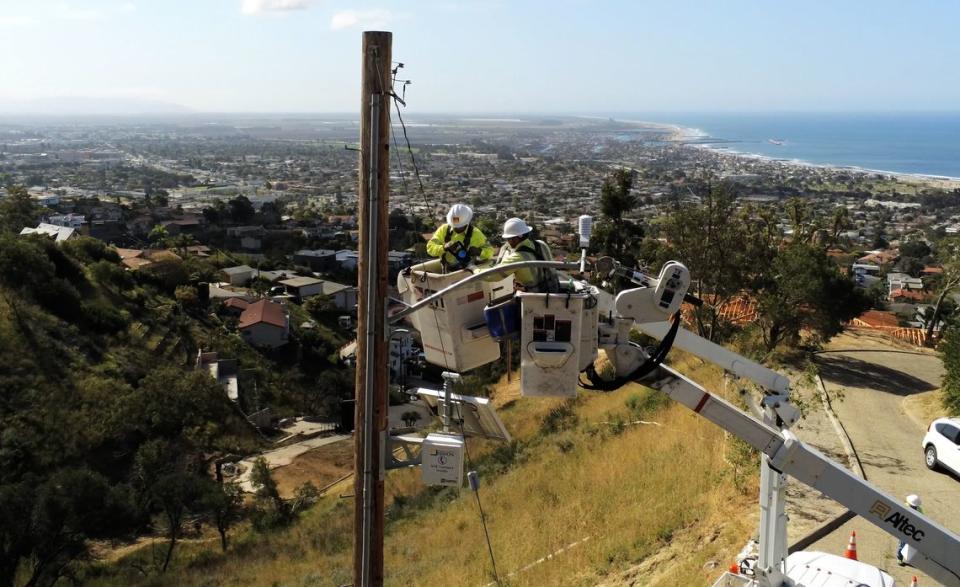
<point x="579" y="482"/>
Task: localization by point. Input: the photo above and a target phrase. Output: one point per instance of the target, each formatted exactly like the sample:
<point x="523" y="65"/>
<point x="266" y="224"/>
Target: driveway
<point x="868" y="379"/>
<point x="279" y="457"/>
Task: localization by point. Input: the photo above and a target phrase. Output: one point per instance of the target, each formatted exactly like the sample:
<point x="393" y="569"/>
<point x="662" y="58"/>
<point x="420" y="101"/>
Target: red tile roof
<point x="263" y="311"/>
<point x="877" y="318"/>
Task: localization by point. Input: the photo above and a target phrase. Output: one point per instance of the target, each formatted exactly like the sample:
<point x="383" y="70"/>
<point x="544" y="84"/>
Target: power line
<point x="476" y="493"/>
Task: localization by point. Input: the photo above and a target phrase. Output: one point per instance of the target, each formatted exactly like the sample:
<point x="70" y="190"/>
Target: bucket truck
<point x="560" y="338"/>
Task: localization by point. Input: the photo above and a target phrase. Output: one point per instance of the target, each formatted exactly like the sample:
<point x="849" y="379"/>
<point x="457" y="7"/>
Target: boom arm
<point x="938" y="548"/>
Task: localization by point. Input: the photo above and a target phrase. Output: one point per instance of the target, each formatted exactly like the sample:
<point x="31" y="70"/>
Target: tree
<point x="617" y="235"/>
<point x="241" y="209"/>
<point x="272" y="510"/>
<point x="726" y="251"/>
<point x="800" y="212"/>
<point x="839" y="222"/>
<point x="158" y="234"/>
<point x="110" y="275"/>
<point x="411" y="417"/>
<point x="949" y="350"/>
<point x="46" y="524"/>
<point x="223" y="504"/>
<point x="948" y="253"/>
<point x="187" y="296"/>
<point x="805" y="290"/>
<point x="18" y="210"/>
<point x="176" y="494"/>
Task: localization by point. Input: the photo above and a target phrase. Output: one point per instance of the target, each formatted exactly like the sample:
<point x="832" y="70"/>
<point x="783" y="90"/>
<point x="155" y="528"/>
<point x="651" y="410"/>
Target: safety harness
<point x="543" y="283"/>
<point x="465" y="260"/>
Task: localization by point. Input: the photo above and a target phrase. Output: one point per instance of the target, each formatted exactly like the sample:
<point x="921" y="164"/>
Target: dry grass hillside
<point x="669" y="503"/>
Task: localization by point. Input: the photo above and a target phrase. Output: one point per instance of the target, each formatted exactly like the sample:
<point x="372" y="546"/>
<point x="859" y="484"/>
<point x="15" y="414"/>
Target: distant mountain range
<point x="87" y="106"/>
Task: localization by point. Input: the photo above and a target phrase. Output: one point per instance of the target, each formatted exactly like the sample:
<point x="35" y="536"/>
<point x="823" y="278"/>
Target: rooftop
<point x="263" y="311"/>
<point x="301" y="281"/>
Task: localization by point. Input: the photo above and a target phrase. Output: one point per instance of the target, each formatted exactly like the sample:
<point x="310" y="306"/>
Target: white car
<point x="941" y="445"/>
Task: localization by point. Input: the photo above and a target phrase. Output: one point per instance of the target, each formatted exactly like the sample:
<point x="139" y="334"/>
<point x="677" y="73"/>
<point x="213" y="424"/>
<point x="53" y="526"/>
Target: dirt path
<point x="869" y="379"/>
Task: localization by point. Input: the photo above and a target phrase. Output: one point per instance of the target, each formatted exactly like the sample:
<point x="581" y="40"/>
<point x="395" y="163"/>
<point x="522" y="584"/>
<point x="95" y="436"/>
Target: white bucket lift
<point x="557" y="340"/>
<point x="452" y="329"/>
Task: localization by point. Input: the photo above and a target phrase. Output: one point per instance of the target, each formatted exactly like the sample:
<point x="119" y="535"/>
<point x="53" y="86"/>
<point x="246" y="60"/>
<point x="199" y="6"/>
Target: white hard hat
<point x="515" y="227"/>
<point x="914" y="500"/>
<point x="459" y="215"/>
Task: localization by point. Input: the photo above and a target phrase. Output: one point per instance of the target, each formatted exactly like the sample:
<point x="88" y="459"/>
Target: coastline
<point x="694" y="138"/>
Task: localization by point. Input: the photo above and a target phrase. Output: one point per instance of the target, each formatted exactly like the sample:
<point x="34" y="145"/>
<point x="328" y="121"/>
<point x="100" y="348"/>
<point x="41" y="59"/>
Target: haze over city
<point x="480" y="56"/>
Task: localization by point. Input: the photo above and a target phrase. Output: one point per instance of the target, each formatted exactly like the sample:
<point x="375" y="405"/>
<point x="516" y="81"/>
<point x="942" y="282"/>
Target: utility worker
<point x="457" y="242"/>
<point x="521" y="247"/>
<point x="913" y="502"/>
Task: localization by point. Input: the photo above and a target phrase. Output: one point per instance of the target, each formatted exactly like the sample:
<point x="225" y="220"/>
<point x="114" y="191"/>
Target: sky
<point x="488" y="56"/>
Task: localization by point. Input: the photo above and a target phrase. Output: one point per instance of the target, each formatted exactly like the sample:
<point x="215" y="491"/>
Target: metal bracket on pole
<point x="408" y="444"/>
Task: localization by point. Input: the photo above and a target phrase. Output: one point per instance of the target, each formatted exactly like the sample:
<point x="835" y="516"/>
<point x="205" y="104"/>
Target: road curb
<point x="855" y="465"/>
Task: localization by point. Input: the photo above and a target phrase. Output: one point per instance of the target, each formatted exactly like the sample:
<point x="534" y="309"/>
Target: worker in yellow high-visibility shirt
<point x="458" y="243"/>
<point x="520" y="247"/>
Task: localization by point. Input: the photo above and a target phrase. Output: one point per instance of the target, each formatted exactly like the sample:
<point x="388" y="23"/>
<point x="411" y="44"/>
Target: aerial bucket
<point x="453" y="330"/>
<point x="553" y="343"/>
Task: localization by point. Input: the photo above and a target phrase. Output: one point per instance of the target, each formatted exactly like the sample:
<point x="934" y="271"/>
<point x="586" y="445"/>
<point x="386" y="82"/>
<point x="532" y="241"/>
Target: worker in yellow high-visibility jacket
<point x="521" y="247"/>
<point x="458" y="243"/>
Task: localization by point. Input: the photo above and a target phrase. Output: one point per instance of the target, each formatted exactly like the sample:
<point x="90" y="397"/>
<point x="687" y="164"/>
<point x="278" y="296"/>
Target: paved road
<point x="874" y="380"/>
<point x="284" y="456"/>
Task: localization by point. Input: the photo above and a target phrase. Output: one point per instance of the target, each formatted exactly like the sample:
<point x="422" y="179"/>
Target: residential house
<point x="303" y="287"/>
<point x="239" y="275"/>
<point x="316" y="260"/>
<point x="397" y="261"/>
<point x="58" y="233"/>
<point x="880" y="257"/>
<point x="67" y="220"/>
<point x="401" y="350"/>
<point x="140" y="258"/>
<point x="344" y="296"/>
<point x="265" y="324"/>
<point x="348" y="260"/>
<point x="903" y="282"/>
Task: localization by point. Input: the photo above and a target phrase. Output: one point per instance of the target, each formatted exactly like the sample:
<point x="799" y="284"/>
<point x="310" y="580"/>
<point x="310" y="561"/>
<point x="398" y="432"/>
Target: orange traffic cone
<point x="913" y="582"/>
<point x="734" y="569"/>
<point x="851" y="551"/>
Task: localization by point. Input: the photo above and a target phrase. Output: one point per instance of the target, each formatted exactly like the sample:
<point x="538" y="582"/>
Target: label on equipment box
<point x="442" y="460"/>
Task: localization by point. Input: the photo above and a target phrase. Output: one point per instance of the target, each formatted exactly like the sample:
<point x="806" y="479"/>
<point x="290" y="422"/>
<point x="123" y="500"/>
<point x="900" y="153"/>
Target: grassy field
<point x="615" y="502"/>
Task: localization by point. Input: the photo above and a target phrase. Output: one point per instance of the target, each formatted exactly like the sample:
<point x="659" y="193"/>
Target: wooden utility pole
<point x="371" y="389"/>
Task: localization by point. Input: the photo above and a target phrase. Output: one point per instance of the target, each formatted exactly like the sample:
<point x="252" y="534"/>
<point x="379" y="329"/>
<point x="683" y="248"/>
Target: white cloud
<point x="375" y="18"/>
<point x="262" y="6"/>
<point x="127" y="7"/>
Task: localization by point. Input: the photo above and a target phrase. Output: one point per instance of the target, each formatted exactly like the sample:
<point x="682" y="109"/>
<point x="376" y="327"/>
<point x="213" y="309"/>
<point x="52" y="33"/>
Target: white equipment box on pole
<point x="453" y="329"/>
<point x="442" y="460"/>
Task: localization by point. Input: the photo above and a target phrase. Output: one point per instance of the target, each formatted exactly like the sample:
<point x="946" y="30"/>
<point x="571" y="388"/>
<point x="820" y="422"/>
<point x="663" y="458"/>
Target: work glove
<point x="473" y="252"/>
<point x="452" y="246"/>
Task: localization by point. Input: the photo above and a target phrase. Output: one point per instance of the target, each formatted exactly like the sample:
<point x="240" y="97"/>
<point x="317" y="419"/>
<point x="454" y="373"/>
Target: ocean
<point x="908" y="143"/>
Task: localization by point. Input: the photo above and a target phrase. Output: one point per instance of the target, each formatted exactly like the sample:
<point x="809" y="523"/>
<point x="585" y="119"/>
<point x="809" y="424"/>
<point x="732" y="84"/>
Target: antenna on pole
<point x="371" y="384"/>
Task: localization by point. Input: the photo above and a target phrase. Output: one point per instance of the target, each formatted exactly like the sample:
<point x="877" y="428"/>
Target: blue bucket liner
<point x="503" y="317"/>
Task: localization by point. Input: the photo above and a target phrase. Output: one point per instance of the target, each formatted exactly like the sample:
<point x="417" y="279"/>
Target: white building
<point x="67" y="220"/>
<point x="238" y="275"/>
